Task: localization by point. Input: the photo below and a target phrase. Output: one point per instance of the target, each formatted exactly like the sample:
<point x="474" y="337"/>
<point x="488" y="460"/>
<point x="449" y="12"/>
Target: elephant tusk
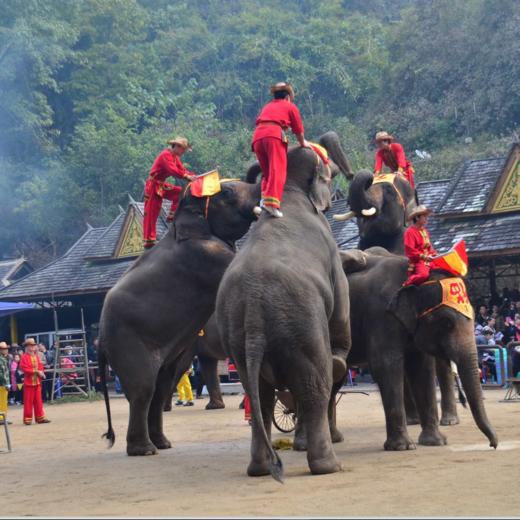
<point x="369" y="212"/>
<point x="257" y="210"/>
<point x="344" y="216"/>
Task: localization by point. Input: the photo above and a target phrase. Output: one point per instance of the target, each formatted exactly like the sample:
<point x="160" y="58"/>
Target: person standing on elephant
<point x="270" y="144"/>
<point x="32" y="389"/>
<point x="417" y="247"/>
<point x="167" y="163"/>
<point x="392" y="155"/>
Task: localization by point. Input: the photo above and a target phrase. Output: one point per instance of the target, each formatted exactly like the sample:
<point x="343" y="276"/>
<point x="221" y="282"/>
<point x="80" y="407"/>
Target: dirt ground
<point x="70" y="472"/>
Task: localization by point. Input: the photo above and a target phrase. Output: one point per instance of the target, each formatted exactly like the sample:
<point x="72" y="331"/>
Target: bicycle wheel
<point x="283" y="418"/>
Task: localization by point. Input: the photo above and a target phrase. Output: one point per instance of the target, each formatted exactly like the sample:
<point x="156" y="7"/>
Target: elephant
<point x="381" y="209"/>
<point x="399" y="331"/>
<point x="283" y="310"/>
<point x="154" y="312"/>
<point x="209" y="350"/>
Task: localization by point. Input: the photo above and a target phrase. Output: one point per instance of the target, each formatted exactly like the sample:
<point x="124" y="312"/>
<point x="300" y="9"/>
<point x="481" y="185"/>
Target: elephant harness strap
<point x="389" y="178"/>
<point x="454" y="295"/>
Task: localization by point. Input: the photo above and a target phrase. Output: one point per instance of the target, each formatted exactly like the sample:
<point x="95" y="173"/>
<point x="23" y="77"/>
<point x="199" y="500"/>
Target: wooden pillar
<point x="492" y="278"/>
<point x="14" y="329"/>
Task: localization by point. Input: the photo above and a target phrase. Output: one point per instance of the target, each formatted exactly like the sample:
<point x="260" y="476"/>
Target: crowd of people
<point x="497" y="325"/>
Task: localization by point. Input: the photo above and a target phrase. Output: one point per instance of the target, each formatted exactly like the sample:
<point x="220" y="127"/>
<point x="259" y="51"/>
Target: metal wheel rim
<point x="283" y="419"/>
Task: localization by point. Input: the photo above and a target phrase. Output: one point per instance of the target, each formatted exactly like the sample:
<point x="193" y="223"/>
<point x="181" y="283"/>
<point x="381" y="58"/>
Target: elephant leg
<point x="300" y="434"/>
<point x="163" y="390"/>
<point x="335" y="434"/>
<point x="420" y="370"/>
<point x="137" y="374"/>
<point x="260" y="456"/>
<point x="208" y="368"/>
<point x="412" y="415"/>
<point x="390" y="378"/>
<point x="312" y="393"/>
<point x="447" y="387"/>
<point x="168" y="400"/>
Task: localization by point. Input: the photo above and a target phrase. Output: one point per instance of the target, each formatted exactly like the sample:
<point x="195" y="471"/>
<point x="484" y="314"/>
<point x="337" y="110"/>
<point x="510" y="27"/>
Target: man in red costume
<point x="392" y="155"/>
<point x="167" y="163"/>
<point x="270" y="144"/>
<point x="417" y="247"/>
<point x="32" y="369"/>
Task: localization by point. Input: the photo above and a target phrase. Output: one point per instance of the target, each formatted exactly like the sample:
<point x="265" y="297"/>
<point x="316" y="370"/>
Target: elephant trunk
<point x="360" y="200"/>
<point x="331" y="142"/>
<point x="253" y="172"/>
<point x="469" y="374"/>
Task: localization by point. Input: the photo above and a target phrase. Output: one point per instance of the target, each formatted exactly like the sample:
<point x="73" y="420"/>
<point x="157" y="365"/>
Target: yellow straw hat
<point x="421" y="209"/>
<point x="181" y="141"/>
<point x="283" y="86"/>
<point x="383" y="136"/>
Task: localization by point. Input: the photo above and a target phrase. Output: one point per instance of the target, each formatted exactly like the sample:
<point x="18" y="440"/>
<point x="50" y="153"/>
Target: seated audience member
<point x="482" y="315"/>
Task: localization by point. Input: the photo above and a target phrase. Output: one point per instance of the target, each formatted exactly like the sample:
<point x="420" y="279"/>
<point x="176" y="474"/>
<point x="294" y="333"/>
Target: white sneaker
<point x="275" y="212"/>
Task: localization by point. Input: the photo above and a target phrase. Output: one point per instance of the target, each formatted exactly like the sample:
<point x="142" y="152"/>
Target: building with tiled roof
<point x="481" y="204"/>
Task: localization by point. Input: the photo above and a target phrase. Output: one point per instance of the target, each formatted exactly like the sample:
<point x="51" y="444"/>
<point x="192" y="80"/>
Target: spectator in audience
<point x="486" y="337"/>
<point x="184" y="390"/>
<point x="47" y="381"/>
<point x="67" y="363"/>
<point x="509" y="330"/>
<point x="92" y="355"/>
<point x="16" y="380"/>
<point x="482" y="315"/>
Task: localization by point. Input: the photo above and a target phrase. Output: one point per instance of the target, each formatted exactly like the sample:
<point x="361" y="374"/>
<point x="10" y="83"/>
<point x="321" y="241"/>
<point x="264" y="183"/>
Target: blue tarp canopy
<point x="7" y="308"/>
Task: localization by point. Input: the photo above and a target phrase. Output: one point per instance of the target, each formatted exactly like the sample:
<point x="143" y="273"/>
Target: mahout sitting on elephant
<point x="381" y="205"/>
<point x="283" y="310"/>
<point x="154" y="312"/>
<point x="400" y="330"/>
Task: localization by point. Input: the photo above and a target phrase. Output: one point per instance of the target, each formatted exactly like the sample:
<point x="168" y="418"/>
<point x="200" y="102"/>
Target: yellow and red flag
<point x="206" y="184"/>
<point x="455" y="261"/>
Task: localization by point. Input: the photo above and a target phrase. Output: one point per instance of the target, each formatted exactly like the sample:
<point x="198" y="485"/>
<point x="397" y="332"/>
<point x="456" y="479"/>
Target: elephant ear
<point x="320" y="188"/>
<point x="403" y="306"/>
<point x="190" y="222"/>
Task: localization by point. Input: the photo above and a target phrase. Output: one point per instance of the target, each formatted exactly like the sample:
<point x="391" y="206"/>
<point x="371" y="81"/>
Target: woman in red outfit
<point x="167" y="163"/>
<point x="270" y="144"/>
<point x="392" y="155"/>
<point x="417" y="247"/>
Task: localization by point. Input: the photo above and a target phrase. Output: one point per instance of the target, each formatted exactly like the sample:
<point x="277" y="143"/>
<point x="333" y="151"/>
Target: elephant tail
<point x="109" y="435"/>
<point x="255" y="348"/>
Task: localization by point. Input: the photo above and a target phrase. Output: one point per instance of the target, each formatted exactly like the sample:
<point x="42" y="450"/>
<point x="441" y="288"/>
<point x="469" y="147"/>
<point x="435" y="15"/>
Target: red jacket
<point x="30" y="365"/>
<point x="394" y="158"/>
<point x="417" y="245"/>
<point x="167" y="164"/>
<point x="281" y="112"/>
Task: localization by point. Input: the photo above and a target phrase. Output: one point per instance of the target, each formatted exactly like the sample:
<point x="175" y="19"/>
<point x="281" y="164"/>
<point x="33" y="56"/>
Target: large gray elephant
<point x="154" y="312"/>
<point x="283" y="310"/>
<point x="399" y="332"/>
<point x="381" y="205"/>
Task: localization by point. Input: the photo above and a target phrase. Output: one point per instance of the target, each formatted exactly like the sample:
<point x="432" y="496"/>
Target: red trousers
<point x="152" y="208"/>
<point x="417" y="274"/>
<point x="272" y="156"/>
<point x="32" y="400"/>
<point x="247" y="408"/>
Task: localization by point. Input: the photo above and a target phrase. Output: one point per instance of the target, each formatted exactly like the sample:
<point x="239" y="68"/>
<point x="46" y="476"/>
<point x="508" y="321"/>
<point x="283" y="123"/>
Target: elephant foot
<point x="258" y="469"/>
<point x="399" y="443"/>
<point x="336" y="435"/>
<point x="138" y="450"/>
<point x="411" y="420"/>
<point x="300" y="443"/>
<point x="161" y="442"/>
<point x="215" y="405"/>
<point x="449" y="419"/>
<point x="324" y="466"/>
<point x="432" y="437"/>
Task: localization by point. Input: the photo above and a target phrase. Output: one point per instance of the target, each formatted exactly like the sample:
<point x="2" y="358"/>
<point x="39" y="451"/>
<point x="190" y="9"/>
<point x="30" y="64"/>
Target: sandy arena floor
<point x="69" y="471"/>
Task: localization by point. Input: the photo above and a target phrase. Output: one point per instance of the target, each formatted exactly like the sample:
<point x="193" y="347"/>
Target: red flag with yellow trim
<point x="206" y="184"/>
<point x="321" y="151"/>
<point x="455" y="261"/>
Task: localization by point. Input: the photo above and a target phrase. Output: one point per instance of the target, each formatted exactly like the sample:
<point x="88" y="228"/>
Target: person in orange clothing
<point x="167" y="163"/>
<point x="417" y="247"/>
<point x="392" y="155"/>
<point x="270" y="144"/>
<point x="32" y="369"/>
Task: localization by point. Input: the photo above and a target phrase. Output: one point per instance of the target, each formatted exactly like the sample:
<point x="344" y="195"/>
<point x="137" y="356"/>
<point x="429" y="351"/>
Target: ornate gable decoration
<point x="131" y="241"/>
<point x="508" y="191"/>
